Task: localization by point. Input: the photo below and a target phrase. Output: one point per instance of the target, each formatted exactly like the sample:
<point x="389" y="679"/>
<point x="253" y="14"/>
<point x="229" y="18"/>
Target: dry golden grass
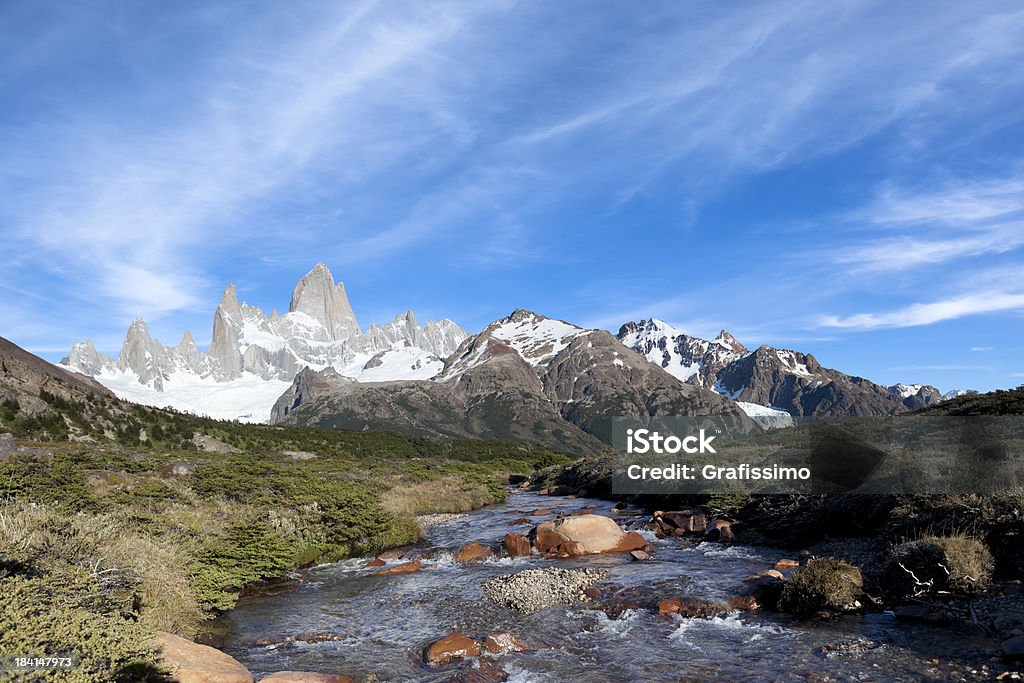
<point x="104" y="545"/>
<point x="969" y="562"/>
<point x="438" y="496"/>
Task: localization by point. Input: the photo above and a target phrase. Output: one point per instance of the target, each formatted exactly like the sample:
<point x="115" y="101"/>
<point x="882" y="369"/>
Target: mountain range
<point x="253" y="357"/>
<point x="782" y="380"/>
<point x="525" y="376"/>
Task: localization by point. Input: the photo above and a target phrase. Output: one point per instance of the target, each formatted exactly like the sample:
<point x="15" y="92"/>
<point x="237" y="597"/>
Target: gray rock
<point x="532" y="590"/>
<point x="1013" y="649"/>
<point x="7" y="444"/>
<point x="317" y="296"/>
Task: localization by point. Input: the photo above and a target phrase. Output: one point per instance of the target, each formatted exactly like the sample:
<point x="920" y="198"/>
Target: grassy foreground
<point x="101" y="544"/>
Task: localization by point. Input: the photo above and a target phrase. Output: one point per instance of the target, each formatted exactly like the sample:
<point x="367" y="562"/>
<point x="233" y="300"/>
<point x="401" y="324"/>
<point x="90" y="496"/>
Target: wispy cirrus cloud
<point x="928" y="313"/>
<point x="133" y="205"/>
<point x="154" y="154"/>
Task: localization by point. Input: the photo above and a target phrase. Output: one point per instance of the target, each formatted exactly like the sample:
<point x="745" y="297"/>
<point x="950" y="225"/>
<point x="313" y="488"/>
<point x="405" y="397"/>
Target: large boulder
<point x="189" y="662"/>
<point x="686" y="522"/>
<point x="586" y="534"/>
<point x="452" y="647"/>
<point x="473" y="552"/>
<point x="516" y="545"/>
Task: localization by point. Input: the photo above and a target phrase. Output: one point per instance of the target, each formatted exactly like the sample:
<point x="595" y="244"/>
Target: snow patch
<point x="246" y="399"/>
<point x="537" y="339"/>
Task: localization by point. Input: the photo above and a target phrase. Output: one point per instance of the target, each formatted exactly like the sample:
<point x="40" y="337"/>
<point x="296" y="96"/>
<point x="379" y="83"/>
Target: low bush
<point x="66" y="613"/>
<point x="956" y="563"/>
<point x="823" y="584"/>
<point x="968" y="561"/>
<point x="248" y="553"/>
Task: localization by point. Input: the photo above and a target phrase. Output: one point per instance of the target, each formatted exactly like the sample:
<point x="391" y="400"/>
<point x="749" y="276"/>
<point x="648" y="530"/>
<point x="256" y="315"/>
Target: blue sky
<point x="844" y="178"/>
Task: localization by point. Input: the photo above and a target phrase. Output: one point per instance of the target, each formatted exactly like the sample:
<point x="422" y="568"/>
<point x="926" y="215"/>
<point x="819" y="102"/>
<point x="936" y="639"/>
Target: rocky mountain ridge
<point x="524" y="377"/>
<point x="319" y="331"/>
<point x="779" y="379"/>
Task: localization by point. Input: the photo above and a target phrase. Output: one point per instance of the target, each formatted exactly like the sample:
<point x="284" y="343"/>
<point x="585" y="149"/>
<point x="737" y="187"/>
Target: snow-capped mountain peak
<point x="690" y="359"/>
<point x="535" y="337"/>
<point x="260" y="355"/>
<point x="729" y="342"/>
<point x="320" y="298"/>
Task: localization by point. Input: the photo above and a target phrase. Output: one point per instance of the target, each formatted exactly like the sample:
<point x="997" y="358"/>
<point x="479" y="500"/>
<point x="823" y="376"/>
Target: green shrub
<point x="249" y="553"/>
<point x="66" y="614"/>
<point x="823" y="584"/>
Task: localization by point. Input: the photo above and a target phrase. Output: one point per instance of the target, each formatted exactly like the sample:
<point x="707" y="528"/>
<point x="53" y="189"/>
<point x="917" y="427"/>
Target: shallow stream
<point x="373" y="627"/>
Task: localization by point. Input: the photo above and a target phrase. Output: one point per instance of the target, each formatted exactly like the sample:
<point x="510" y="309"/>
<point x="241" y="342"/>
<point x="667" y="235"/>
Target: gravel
<point x="426" y="521"/>
<point x="532" y="590"/>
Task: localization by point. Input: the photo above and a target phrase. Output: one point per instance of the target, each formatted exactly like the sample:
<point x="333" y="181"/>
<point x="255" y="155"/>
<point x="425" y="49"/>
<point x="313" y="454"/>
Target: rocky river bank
<point x="467" y="604"/>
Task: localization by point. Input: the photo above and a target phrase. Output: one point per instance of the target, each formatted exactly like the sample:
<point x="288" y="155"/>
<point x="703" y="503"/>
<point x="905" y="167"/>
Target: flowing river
<point x="342" y="618"/>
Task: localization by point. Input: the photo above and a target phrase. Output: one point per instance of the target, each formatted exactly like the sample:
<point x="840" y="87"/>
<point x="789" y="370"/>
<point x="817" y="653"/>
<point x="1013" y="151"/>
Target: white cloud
<point x="404" y="127"/>
<point x="133" y="212"/>
<point x="929" y="313"/>
<point x="957" y="203"/>
<point x="908" y="252"/>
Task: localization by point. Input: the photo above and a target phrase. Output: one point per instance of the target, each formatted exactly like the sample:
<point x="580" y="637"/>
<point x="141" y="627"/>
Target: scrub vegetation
<point x="104" y="542"/>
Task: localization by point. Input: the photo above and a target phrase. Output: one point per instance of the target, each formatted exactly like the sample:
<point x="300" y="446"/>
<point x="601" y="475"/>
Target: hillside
<point x="525" y="377"/>
<point x="999" y="402"/>
<point x="114" y="524"/>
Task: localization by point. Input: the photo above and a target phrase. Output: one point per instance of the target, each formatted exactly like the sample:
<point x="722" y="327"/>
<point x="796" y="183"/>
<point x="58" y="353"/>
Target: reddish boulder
<point x="516" y="545"/>
<point x="744" y="603"/>
<point x="376" y="562"/>
<point x="631" y="541"/>
<point x="451" y="648"/>
<point x="501" y="643"/>
<point x="540" y="512"/>
<point x="691" y="522"/>
<point x="473" y="552"/>
<point x="404" y="568"/>
<point x="189" y="662"/>
<point x="782" y="565"/>
<point x="522" y="520"/>
<point x="304" y="677"/>
<point x="590" y="534"/>
<point x="721" y="531"/>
